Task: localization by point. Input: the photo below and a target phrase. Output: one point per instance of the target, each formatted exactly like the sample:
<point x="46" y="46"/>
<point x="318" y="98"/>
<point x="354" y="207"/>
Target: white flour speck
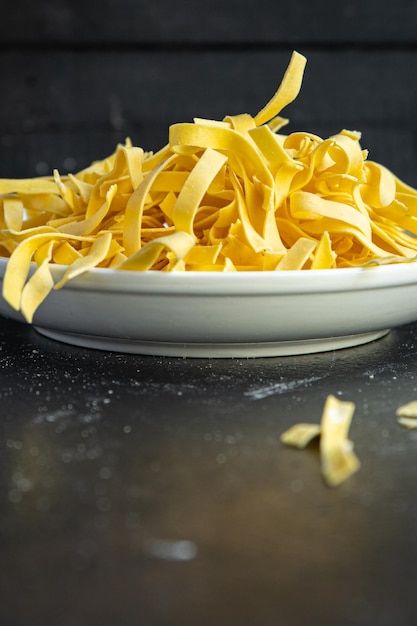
<point x="258" y="393"/>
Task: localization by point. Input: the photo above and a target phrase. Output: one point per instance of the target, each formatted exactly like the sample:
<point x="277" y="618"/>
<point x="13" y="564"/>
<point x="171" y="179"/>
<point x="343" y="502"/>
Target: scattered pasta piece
<point x="300" y="435"/>
<point x="407" y="422"/>
<point x="407" y="415"/>
<point x="337" y="458"/>
<point x="408" y="410"/>
<point x="222" y="196"/>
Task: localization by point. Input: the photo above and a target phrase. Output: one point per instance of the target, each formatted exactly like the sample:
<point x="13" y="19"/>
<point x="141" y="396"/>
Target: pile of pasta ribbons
<point x="230" y="195"/>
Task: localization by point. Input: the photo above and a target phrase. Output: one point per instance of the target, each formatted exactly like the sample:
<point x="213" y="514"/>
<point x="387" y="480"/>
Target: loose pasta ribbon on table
<point x="338" y="460"/>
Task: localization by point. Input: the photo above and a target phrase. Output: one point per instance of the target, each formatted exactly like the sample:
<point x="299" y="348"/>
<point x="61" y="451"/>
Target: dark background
<point x="78" y="77"/>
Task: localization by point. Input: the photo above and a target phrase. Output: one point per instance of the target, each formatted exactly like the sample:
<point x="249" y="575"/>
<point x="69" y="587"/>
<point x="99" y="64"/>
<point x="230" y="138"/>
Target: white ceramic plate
<point x="241" y="314"/>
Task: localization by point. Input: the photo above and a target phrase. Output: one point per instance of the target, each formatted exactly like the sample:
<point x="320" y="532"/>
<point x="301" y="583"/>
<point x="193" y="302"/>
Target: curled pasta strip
<point x="222" y="195"/>
<point x="338" y="459"/>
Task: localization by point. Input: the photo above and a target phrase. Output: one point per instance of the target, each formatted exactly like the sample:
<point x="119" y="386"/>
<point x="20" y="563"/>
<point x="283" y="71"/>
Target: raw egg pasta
<point x="407" y="414"/>
<point x="338" y="460"/>
<point x="221" y="196"/>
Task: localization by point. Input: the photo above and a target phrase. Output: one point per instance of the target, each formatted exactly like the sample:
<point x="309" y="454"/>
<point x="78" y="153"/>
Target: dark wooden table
<point x="155" y="491"/>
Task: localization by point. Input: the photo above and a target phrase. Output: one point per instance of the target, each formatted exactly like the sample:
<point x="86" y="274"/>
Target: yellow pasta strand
<point x="337" y="459"/>
<point x="300" y="435"/>
<point x="194" y="188"/>
<point x="96" y="254"/>
<point x="18" y="266"/>
<point x="39" y="286"/>
<point x="297" y="255"/>
<point x="13" y="213"/>
<point x="287" y="91"/>
<point x="179" y="244"/>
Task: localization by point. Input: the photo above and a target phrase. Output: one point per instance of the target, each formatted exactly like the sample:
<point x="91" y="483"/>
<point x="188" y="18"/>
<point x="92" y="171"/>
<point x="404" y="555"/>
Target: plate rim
<point x="289" y="282"/>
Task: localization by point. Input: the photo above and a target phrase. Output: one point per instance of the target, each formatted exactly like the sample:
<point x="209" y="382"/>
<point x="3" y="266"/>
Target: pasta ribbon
<point x="222" y="195"/>
<point x="407" y="415"/>
<point x="337" y="459"/>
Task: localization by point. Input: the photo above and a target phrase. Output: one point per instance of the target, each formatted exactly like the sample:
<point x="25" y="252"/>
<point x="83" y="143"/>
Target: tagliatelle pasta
<point x="407" y="414"/>
<point x="300" y="435"/>
<point x="230" y="195"/>
<point x="407" y="422"/>
<point x="408" y="410"/>
<point x="337" y="458"/>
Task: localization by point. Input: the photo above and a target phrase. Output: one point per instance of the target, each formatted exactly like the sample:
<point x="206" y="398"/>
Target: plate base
<point x="213" y="350"/>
